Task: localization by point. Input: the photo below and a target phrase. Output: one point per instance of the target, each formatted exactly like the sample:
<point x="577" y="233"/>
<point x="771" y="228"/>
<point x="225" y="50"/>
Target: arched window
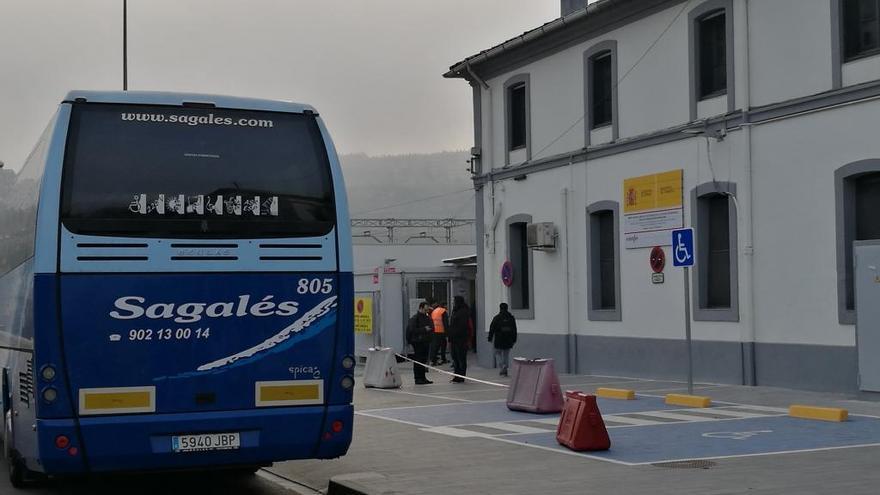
<point x="716" y="274"/>
<point x="522" y="292"/>
<point x="857" y="191"/>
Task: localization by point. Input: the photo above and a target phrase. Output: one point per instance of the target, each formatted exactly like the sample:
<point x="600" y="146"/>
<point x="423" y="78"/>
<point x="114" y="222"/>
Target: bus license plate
<point x="207" y="441"/>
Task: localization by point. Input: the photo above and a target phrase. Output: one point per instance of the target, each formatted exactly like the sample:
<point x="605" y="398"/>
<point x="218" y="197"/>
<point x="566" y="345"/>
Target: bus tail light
<point x="337" y="426"/>
<point x="73" y="452"/>
<point x="62" y="442"/>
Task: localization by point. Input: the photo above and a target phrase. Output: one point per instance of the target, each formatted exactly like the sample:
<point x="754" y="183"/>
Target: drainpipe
<point x="749" y="365"/>
<point x="570" y="358"/>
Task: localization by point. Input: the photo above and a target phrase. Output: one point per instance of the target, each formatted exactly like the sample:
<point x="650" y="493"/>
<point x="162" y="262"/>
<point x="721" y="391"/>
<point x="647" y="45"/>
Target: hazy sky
<point x="372" y="68"/>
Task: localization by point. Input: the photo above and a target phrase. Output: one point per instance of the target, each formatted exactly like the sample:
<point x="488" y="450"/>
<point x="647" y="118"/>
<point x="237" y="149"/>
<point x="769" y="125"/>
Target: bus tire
<point x="248" y="470"/>
<point x="19" y="475"/>
<point x="16" y="473"/>
<point x="7" y="436"/>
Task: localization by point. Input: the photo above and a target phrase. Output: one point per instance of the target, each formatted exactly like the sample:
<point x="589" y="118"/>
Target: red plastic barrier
<point x="581" y="426"/>
<point x="534" y="386"/>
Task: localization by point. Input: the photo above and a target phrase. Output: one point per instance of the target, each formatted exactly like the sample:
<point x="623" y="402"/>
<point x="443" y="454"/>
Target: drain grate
<point x="696" y="464"/>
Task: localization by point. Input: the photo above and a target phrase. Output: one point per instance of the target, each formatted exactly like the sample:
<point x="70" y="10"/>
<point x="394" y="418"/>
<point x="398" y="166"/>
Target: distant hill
<point x="375" y="182"/>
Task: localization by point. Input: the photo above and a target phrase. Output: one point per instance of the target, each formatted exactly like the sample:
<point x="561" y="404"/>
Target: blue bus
<point x="175" y="288"/>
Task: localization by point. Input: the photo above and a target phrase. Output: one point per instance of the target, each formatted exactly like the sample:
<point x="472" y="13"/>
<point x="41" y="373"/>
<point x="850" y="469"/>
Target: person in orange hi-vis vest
<point x="438" y="344"/>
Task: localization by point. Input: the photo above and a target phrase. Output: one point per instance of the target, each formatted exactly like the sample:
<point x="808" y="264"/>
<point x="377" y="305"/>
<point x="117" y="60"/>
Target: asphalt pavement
<point x="461" y="438"/>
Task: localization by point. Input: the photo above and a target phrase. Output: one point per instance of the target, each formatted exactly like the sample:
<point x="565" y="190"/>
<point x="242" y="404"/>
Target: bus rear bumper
<point x="143" y="442"/>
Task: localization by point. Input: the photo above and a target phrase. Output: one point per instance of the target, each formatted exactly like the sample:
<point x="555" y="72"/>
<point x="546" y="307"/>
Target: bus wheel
<point x="16" y="473"/>
<point x="247" y="471"/>
<point x="7" y="436"/>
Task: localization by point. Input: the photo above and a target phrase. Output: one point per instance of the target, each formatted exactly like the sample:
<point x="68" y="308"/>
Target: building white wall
<point x="789" y="56"/>
<point x="369" y="256"/>
<point x="789" y="49"/>
<point x="786" y="230"/>
<point x="795" y="251"/>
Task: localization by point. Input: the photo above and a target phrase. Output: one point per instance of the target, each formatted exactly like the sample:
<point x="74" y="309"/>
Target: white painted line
<point x="546" y="421"/>
<point x="633" y="421"/>
<point x="560" y="450"/>
<point x="287" y="483"/>
<point x="760" y="454"/>
<point x="681" y="416"/>
<point x="420" y="425"/>
<point x="474" y="390"/>
<point x="456" y="432"/>
<point x="397" y="408"/>
<point x="394" y="391"/>
<point x="671" y="389"/>
<point x="763" y="408"/>
<point x="738" y="414"/>
<point x="512" y="428"/>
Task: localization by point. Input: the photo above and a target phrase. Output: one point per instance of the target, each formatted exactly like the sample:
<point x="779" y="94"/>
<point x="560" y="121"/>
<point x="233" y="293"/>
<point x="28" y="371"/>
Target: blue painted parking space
<point x="646" y="430"/>
<point x="715" y="439"/>
<point x="496" y="411"/>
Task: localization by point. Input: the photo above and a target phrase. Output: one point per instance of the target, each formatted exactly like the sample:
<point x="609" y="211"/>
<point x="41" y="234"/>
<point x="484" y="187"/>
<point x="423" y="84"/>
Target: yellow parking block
<point x="819" y="413"/>
<point x="688" y="400"/>
<point x="616" y="393"/>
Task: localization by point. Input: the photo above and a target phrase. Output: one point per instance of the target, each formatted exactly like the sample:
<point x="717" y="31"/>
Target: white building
<point x="765" y="114"/>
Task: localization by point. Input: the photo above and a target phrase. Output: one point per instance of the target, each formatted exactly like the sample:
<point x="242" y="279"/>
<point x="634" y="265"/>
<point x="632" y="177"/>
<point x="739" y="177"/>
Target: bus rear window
<point x="157" y="171"/>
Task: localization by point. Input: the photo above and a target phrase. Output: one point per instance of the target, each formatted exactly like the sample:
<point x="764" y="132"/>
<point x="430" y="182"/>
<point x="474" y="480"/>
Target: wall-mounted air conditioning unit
<point x="541" y="236"/>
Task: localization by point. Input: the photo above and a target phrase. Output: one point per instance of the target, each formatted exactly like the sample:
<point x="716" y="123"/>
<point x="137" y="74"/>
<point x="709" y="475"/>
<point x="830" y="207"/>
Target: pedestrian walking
<point x="503" y="331"/>
<point x="440" y="319"/>
<point x="458" y="336"/>
<point x="419" y="332"/>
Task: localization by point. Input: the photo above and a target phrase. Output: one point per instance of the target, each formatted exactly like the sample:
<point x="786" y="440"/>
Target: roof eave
<point x="460" y="69"/>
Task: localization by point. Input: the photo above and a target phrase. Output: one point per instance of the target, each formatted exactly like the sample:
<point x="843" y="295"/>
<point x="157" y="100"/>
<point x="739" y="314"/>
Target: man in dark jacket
<point x="458" y="335"/>
<point x="503" y="331"/>
<point x="419" y="332"/>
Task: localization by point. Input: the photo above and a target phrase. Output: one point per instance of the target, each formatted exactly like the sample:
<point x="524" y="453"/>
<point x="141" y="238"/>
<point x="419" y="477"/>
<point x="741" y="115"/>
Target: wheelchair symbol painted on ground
<point x="735" y="435"/>
<point x="683" y="247"/>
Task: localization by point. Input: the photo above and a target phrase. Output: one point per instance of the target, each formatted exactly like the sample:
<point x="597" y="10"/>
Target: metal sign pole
<point x="687" y="328"/>
<point x="125" y="45"/>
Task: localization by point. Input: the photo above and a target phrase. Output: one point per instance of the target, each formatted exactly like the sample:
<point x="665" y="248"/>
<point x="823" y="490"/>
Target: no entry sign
<point x="658" y="259"/>
<point x="507" y="273"/>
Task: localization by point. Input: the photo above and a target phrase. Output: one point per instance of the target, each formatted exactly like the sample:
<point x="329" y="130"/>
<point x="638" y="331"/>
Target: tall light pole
<point x="125" y="45"/>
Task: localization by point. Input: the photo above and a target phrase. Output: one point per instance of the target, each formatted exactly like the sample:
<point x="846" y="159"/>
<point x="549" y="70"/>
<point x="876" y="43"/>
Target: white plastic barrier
<point x="381" y="368"/>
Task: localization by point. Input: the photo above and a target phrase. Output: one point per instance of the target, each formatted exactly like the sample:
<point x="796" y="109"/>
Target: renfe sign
<point x="652" y="207"/>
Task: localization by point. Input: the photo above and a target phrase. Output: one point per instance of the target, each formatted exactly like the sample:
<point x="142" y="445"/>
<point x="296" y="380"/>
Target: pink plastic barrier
<point x="534" y="387"/>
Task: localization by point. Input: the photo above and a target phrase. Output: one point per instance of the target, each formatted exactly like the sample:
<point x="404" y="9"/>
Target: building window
<point x="517" y="114"/>
<point x="717" y="251"/>
<point x="603" y="262"/>
<point x="517" y="117"/>
<point x="861" y="28"/>
<point x="602" y="82"/>
<point x="433" y="291"/>
<point x="715" y="273"/>
<point x="858" y="201"/>
<point x="522" y="291"/>
<point x="712" y="58"/>
<point x="600" y="85"/>
<point x="710" y="43"/>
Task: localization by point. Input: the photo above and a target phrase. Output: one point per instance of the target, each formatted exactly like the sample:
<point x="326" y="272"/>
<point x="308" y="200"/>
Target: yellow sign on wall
<point x="363" y="314"/>
<point x="653" y="192"/>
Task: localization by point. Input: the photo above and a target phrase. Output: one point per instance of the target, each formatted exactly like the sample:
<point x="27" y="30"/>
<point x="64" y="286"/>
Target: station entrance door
<point x="867" y="285"/>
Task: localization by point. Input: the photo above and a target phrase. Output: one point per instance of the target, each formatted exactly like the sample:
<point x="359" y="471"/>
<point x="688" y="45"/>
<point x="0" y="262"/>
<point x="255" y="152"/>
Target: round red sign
<point x="360" y="306"/>
<point x="507" y="273"/>
<point x="658" y="259"/>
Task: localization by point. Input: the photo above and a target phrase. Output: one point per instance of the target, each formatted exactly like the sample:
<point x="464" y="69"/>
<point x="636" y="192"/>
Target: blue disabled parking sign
<point x="683" y="247"/>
